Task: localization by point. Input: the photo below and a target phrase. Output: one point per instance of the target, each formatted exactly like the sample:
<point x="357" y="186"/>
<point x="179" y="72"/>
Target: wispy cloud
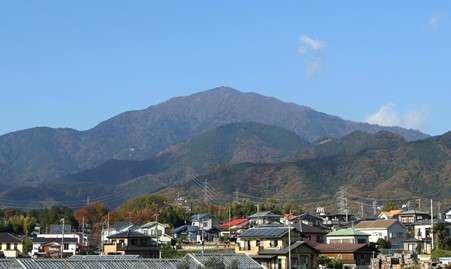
<point x="434" y="22"/>
<point x="388" y="115"/>
<point x="311" y="48"/>
<point x="309" y="44"/>
<point x="313" y="67"/>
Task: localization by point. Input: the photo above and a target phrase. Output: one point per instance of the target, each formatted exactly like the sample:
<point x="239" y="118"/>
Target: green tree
<point x="441" y="234"/>
<point x="390" y="206"/>
<point x="27" y="245"/>
<point x="383" y="244"/>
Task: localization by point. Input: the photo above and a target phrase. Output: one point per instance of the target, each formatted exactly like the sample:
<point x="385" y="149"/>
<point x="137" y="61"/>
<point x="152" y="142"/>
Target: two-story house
<point x="271" y="247"/>
<point x="263" y="218"/>
<point x="115" y="228"/>
<point x="312" y="233"/>
<point x="51" y="247"/>
<point x="10" y="246"/>
<point x="208" y="226"/>
<point x="157" y="231"/>
<point x="390" y="230"/>
<point x="349" y="236"/>
<point x="131" y="243"/>
<point x="447" y="215"/>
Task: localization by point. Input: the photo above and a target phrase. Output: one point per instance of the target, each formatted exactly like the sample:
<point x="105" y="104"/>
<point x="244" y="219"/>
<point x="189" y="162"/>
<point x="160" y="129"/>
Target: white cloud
<point x="311" y="48"/>
<point x="434" y="22"/>
<point x="387" y="115"/>
<point x="309" y="44"/>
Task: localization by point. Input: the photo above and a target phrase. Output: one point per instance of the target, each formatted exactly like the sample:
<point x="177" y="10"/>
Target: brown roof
<point x="376" y="224"/>
<point x="392" y="213"/>
<point x="338" y="248"/>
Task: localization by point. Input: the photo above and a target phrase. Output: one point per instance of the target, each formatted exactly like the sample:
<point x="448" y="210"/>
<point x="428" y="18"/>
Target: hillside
<point x="225" y="145"/>
<point x="390" y="170"/>
<point x="32" y="156"/>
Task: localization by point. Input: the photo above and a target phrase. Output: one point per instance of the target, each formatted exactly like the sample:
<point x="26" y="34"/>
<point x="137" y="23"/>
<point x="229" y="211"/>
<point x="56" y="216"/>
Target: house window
<point x="248" y="245"/>
<point x="279" y="263"/>
<point x="8" y="246"/>
<point x="274" y="243"/>
<point x="257" y="243"/>
<point x="15" y="246"/>
<point x="361" y="241"/>
<point x="66" y="246"/>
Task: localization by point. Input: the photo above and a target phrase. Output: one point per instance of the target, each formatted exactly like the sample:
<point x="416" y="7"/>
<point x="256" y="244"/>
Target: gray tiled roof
<point x="9" y="238"/>
<point x="244" y="261"/>
<point x="105" y="263"/>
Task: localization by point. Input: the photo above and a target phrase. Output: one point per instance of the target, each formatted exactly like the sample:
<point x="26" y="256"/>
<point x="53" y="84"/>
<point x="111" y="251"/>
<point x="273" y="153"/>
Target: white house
<point x="10" y="245"/>
<point x="156" y="231"/>
<point x="390" y="230"/>
<point x="447" y="215"/>
<point x="51" y="247"/>
<point x="116" y="228"/>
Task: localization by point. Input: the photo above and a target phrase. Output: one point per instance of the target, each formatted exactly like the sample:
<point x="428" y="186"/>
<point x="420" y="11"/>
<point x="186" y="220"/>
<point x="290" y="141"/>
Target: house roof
<point x="154" y="223"/>
<point x="304" y="228"/>
<point x="244" y="261"/>
<point x="121" y="225"/>
<point x="235" y="222"/>
<point x="9" y="238"/>
<point x="347" y="232"/>
<point x="46" y="240"/>
<point x="391" y="213"/>
<point x="265" y="232"/>
<point x="337" y="248"/>
<point x="284" y="250"/>
<point x="376" y="224"/>
<point x="414" y="211"/>
<point x="264" y="214"/>
<point x="200" y="217"/>
<point x="128" y="234"/>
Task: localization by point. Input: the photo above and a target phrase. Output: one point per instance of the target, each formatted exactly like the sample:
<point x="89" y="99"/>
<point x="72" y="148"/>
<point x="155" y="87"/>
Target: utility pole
<point x="439" y="210"/>
<point x="361" y="210"/>
<point x="206" y="191"/>
<point x="419" y="204"/>
<point x="62" y="239"/>
<point x="289" y="244"/>
<point x="374" y="208"/>
<point x="83" y="231"/>
<point x="158" y="238"/>
<point x="432" y="224"/>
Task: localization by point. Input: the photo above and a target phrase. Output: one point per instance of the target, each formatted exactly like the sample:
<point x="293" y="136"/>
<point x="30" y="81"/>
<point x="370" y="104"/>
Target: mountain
<point x="225" y="145"/>
<point x="32" y="156"/>
<point x="388" y="169"/>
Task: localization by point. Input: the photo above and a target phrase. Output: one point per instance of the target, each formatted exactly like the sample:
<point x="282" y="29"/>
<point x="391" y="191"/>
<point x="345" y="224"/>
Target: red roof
<point x="235" y="222"/>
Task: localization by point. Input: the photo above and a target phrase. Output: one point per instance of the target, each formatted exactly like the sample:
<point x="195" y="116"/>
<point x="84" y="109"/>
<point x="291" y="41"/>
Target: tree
<point x="390" y="206"/>
<point x="441" y="234"/>
<point x="383" y="244"/>
<point x="27" y="245"/>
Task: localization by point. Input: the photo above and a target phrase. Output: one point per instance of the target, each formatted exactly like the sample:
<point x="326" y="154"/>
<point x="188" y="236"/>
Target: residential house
<point x="51" y="247"/>
<point x="11" y="246"/>
<point x="233" y="227"/>
<point x="447" y="215"/>
<point x="131" y="243"/>
<point x="422" y="235"/>
<point x="187" y="233"/>
<point x="353" y="256"/>
<point x="411" y="216"/>
<point x="312" y="220"/>
<point x="348" y="235"/>
<point x="391" y="214"/>
<point x="115" y="228"/>
<point x="263" y="218"/>
<point x="157" y="231"/>
<point x="312" y="233"/>
<point x="270" y="246"/>
<point x="208" y="226"/>
<point x="338" y="220"/>
<point x="390" y="230"/>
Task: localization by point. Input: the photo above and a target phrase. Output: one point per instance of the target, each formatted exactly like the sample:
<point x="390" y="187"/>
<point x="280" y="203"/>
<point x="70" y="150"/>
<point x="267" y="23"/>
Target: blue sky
<point x="76" y="63"/>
